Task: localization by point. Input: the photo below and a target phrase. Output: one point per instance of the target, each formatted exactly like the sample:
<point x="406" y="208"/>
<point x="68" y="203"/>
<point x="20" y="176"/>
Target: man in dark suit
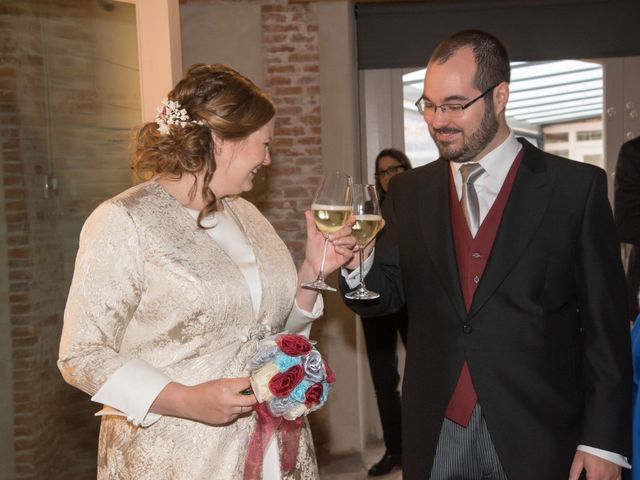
<point x="518" y="358"/>
<point x="627" y="215"/>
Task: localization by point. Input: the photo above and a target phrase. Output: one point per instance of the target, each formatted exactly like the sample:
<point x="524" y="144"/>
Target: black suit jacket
<point x="549" y="348"/>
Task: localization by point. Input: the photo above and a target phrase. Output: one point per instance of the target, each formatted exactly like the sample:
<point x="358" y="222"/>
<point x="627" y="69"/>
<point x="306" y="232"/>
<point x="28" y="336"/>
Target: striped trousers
<point x="466" y="453"/>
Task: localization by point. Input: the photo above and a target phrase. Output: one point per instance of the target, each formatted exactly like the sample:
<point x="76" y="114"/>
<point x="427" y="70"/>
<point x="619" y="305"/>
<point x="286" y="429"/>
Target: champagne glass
<point x="366" y="210"/>
<point x="331" y="209"/>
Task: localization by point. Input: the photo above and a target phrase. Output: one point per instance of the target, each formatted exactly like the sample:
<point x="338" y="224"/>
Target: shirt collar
<point x="498" y="161"/>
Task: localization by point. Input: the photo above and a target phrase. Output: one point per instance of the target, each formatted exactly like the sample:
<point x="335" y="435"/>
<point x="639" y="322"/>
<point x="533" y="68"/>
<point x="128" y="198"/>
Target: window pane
<point x="589" y="135"/>
<point x="556" y="137"/>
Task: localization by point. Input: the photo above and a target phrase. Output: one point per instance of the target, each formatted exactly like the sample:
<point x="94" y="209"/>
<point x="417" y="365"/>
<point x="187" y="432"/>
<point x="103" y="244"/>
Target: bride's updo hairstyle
<point x="217" y="100"/>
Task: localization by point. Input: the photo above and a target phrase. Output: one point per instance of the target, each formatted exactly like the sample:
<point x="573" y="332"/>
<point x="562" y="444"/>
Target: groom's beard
<point x="471" y="145"/>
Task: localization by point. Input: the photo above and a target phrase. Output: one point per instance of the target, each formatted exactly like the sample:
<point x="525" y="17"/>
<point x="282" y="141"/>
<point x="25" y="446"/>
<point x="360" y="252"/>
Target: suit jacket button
<point x="467" y="328"/>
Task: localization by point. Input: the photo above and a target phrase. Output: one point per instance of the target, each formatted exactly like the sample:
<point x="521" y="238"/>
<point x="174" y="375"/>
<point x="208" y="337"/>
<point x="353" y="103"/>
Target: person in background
<point x="518" y="358"/>
<point x="176" y="282"/>
<point x="380" y="334"/>
<point x="634" y="473"/>
<point x="627" y="215"/>
<point x="389" y="163"/>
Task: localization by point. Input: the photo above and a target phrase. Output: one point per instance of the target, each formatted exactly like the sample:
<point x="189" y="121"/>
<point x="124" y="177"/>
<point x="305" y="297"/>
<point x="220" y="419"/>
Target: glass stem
<point x="362" y="286"/>
<point x="324" y="255"/>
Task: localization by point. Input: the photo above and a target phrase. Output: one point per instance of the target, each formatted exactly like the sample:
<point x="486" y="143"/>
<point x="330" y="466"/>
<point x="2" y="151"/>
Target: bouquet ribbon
<point x="265" y="428"/>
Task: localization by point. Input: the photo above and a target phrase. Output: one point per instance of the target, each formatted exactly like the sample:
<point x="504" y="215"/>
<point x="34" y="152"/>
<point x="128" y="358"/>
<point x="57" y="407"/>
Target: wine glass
<point x="366" y="210"/>
<point x="331" y="209"/>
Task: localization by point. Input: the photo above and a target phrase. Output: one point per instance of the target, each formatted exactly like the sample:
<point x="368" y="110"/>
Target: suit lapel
<point x="434" y="210"/>
<point x="530" y="194"/>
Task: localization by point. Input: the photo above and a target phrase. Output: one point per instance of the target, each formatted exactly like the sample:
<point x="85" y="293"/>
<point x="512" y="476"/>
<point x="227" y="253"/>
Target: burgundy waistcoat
<point x="472" y="255"/>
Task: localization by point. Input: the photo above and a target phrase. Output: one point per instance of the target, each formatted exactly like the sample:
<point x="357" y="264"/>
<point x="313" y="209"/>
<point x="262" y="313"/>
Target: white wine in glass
<point x="330" y="218"/>
<point x="331" y="209"/>
<point x="366" y="210"/>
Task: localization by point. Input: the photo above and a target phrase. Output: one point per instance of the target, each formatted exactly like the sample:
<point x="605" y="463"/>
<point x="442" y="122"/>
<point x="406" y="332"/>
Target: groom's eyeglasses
<point x="451" y="110"/>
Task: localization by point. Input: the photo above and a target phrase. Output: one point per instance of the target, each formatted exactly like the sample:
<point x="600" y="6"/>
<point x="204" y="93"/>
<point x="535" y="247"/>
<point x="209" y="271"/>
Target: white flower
<point x="171" y="113"/>
<point x="260" y="381"/>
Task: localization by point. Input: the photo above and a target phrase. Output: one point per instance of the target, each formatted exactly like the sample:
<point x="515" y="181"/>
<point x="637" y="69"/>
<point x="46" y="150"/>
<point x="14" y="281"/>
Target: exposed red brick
<point x="280" y="28"/>
<point x="23" y="341"/>
<point x="304" y="57"/>
<point x="278" y="80"/>
<point x="278" y="90"/>
<point x="310" y="141"/>
<point x="19" y="309"/>
<point x="18" y="298"/>
<point x="280" y="142"/>
<point x="17" y="239"/>
<point x="18" y="253"/>
<point x="13" y="193"/>
<point x="280" y="68"/>
<point x="275" y="17"/>
<point x="16" y="206"/>
<point x="23" y="443"/>
<point x="290" y="131"/>
<point x="275" y="8"/>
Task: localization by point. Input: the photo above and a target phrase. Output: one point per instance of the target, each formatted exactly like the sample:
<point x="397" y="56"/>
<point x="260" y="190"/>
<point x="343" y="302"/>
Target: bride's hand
<point x="216" y="402"/>
<point x="340" y="250"/>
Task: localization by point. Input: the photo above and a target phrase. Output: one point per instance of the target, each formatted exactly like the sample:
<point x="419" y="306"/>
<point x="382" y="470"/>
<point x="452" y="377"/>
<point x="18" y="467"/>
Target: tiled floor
<point x="355" y="467"/>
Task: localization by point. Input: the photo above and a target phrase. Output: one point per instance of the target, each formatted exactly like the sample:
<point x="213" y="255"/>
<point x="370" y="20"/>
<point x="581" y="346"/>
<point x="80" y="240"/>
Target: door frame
<point x="159" y="51"/>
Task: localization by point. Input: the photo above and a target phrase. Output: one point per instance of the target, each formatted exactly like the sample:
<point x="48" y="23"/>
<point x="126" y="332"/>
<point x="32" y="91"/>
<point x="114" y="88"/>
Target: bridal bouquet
<point x="289" y="375"/>
<point x="290" y="379"/>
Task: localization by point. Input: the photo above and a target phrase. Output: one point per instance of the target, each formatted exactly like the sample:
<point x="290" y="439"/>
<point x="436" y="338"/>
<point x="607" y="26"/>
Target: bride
<point x="177" y="280"/>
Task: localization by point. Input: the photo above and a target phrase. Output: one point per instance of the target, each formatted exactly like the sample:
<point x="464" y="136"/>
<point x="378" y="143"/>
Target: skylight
<point x="541" y="93"/>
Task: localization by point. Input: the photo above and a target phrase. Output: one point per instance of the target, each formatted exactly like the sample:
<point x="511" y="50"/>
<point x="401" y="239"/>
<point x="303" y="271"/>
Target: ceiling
<point x="541" y="93"/>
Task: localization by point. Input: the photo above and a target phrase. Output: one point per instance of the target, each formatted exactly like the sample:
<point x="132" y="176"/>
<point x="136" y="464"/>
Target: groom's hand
<point x="597" y="468"/>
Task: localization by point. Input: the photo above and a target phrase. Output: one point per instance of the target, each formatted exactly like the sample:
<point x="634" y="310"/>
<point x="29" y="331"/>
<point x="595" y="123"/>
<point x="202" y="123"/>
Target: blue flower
<point x="285" y="362"/>
<point x="299" y="393"/>
<point x="325" y="392"/>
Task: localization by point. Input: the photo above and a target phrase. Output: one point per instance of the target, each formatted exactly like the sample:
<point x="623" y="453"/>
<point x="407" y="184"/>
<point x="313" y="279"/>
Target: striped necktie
<point x="470" y="173"/>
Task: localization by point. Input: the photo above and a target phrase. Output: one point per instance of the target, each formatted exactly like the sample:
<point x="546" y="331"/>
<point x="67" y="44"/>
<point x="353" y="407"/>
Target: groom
<point x="518" y="359"/>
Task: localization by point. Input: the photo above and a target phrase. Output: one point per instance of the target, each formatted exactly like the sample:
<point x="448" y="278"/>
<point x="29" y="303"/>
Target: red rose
<point x="293" y="345"/>
<point x="313" y="394"/>
<point x="330" y="376"/>
<point x="281" y="384"/>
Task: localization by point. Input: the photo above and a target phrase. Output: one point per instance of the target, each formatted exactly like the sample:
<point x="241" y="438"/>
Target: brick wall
<point x="34" y="260"/>
<point x="48" y="57"/>
<point x="290" y="34"/>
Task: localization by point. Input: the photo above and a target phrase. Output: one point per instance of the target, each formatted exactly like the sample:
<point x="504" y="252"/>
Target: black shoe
<point x="387" y="463"/>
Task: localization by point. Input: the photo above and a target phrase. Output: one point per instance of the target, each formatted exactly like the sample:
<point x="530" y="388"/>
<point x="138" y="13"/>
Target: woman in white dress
<point x="177" y="280"/>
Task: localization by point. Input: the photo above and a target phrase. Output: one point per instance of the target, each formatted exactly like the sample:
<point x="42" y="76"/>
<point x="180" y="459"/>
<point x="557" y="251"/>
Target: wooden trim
<point x="159" y="51"/>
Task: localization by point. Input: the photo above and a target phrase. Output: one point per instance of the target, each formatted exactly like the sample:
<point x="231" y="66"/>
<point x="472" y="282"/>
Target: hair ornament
<point x="171" y="113"/>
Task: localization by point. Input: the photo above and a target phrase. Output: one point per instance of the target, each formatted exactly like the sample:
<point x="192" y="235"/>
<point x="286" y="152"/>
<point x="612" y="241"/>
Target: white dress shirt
<point x="496" y="166"/>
